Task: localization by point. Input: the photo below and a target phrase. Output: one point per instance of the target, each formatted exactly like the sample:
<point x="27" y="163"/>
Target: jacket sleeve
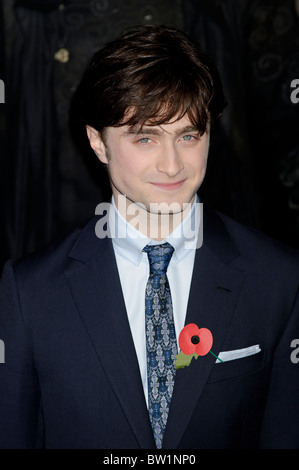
<point x="19" y="390"/>
<point x="281" y="419"/>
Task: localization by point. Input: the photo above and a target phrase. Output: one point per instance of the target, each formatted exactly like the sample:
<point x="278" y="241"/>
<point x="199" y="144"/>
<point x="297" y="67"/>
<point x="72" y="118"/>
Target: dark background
<point x="48" y="186"/>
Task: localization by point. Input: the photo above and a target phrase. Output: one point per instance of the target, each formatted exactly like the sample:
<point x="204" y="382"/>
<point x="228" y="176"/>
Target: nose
<point x="170" y="162"/>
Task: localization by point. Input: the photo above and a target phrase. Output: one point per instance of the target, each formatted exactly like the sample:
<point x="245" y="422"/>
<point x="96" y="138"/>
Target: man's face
<point x="155" y="164"/>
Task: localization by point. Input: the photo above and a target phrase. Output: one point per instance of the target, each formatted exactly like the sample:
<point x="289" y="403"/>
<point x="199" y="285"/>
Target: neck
<point x="155" y="225"/>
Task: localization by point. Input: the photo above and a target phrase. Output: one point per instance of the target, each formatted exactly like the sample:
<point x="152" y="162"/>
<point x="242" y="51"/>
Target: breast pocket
<point x="239" y="366"/>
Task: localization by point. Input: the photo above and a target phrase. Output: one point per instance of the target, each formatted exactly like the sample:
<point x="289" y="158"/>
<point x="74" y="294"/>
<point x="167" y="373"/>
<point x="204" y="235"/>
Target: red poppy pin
<point x="193" y="342"/>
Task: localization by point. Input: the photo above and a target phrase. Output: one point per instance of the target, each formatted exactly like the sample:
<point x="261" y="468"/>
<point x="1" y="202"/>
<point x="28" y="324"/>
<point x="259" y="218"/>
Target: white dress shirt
<point x="133" y="268"/>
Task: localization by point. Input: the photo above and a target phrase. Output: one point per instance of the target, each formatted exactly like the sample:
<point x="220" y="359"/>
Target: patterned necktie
<point x="161" y="344"/>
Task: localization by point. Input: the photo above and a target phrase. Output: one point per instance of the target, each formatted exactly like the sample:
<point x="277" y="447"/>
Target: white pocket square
<point x="238" y="353"/>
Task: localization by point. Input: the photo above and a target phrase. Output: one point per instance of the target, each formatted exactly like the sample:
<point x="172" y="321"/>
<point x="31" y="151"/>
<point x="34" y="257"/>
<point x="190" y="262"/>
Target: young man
<point x="94" y="354"/>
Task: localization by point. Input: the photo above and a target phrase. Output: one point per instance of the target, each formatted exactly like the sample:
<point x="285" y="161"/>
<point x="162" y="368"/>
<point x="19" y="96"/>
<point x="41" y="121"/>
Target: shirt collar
<point x="129" y="242"/>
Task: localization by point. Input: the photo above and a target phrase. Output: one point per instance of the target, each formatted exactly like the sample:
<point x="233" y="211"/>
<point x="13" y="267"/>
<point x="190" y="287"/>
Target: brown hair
<point x="155" y="72"/>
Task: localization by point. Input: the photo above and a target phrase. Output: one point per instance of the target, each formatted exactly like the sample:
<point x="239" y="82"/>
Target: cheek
<point x="199" y="162"/>
<point x="126" y="167"/>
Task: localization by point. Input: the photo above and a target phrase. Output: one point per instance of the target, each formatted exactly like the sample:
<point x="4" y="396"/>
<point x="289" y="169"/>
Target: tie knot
<point x="159" y="257"/>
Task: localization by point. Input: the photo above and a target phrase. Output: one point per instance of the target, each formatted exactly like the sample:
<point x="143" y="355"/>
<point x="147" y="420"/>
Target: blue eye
<point x="188" y="137"/>
<point x="144" y="140"/>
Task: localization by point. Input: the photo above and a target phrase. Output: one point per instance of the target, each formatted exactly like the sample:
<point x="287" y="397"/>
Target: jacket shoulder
<point x="258" y="247"/>
<point x="53" y="259"/>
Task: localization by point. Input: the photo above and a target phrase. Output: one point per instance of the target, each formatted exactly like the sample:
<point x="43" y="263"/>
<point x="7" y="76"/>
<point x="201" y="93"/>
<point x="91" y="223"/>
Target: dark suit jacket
<point x="71" y="377"/>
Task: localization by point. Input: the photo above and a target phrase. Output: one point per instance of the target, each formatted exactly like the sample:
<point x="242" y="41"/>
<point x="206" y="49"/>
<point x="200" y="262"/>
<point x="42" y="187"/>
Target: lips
<point x="169" y="186"/>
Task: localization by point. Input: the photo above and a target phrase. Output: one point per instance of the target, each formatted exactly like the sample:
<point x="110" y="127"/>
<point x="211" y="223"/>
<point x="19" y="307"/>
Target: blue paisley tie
<point x="161" y="344"/>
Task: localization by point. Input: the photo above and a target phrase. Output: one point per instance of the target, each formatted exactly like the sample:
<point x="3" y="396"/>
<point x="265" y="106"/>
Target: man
<point x="91" y="324"/>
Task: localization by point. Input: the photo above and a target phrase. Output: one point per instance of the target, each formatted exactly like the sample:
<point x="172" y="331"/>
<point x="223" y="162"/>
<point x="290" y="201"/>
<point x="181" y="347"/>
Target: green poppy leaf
<point x="183" y="360"/>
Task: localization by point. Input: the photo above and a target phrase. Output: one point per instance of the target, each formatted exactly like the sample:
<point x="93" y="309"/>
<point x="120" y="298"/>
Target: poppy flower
<point x="194" y="340"/>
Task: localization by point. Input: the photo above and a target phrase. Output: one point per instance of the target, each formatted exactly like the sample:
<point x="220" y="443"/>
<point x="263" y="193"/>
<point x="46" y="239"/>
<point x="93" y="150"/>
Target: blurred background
<point x="48" y="185"/>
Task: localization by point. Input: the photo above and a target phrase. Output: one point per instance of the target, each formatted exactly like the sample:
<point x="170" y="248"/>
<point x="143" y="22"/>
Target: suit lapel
<point x="98" y="296"/>
<point x="213" y="297"/>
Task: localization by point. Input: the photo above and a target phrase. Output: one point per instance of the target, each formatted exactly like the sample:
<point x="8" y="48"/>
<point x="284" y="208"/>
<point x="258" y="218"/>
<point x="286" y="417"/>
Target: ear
<point x="97" y="143"/>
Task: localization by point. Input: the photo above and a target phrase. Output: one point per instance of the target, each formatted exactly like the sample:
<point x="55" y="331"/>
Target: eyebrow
<point x="155" y="131"/>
